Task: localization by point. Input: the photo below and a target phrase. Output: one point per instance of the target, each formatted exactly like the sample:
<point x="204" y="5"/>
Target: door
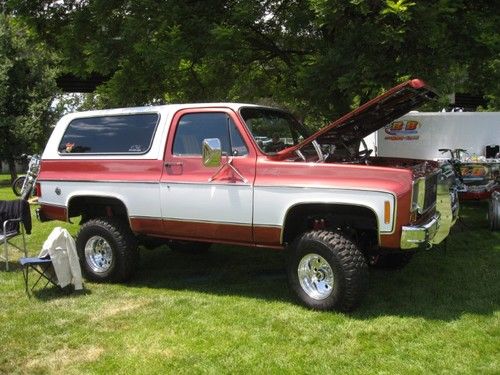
<point x="208" y="203"/>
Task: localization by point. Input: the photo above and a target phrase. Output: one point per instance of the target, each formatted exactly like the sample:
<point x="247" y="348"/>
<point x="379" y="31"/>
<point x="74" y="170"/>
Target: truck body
<point x="196" y="174"/>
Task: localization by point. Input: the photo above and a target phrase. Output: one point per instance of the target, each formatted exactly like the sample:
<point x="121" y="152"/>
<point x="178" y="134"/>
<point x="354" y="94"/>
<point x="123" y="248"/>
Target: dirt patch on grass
<point x="63" y="359"/>
<point x="151" y="350"/>
<point x="119" y="307"/>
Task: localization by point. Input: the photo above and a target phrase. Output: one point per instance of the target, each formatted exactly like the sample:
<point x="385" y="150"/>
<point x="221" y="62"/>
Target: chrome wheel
<point x="98" y="254"/>
<point x="315" y="276"/>
<point x="107" y="250"/>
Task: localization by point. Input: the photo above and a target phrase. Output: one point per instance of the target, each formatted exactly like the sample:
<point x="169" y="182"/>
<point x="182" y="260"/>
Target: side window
<point x="123" y="134"/>
<point x="194" y="128"/>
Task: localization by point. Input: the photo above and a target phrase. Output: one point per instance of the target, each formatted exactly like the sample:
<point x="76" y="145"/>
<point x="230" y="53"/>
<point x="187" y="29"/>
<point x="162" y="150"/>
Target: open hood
<point x="372" y="115"/>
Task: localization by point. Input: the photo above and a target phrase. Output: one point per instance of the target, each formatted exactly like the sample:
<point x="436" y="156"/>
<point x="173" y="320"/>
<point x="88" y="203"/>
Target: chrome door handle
<point x="173" y="164"/>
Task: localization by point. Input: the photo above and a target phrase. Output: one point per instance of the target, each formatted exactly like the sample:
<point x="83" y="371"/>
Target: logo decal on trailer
<point x="402" y="130"/>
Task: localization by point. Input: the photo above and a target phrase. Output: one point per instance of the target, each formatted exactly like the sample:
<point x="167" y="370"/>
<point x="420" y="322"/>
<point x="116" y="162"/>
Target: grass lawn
<point x="230" y="311"/>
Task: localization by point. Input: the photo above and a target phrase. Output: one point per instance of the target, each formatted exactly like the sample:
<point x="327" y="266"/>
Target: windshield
<point x="273" y="130"/>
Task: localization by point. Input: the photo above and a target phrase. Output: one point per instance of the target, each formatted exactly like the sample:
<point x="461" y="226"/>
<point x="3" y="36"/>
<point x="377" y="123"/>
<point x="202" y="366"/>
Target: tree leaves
<point x="399" y="8"/>
<point x="27" y="86"/>
<point x="318" y="56"/>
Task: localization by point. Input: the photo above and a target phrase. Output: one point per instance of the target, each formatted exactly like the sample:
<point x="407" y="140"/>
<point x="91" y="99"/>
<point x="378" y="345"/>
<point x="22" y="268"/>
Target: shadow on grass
<point x="43" y="290"/>
<point x="443" y="283"/>
<point x="14" y="265"/>
<point x="435" y="286"/>
<point x="53" y="292"/>
<point x="223" y="270"/>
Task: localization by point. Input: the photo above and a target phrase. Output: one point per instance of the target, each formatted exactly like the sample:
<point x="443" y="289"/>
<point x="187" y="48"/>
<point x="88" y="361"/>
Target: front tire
<point x="107" y="250"/>
<point x="17" y="185"/>
<point x="326" y="270"/>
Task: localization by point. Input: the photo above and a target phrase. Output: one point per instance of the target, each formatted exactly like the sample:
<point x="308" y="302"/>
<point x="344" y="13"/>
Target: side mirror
<point x="211" y="151"/>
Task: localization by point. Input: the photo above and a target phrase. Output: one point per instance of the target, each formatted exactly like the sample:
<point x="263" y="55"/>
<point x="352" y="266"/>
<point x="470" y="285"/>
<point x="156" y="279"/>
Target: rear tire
<point x="107" y="250"/>
<point x="326" y="270"/>
<point x="494" y="211"/>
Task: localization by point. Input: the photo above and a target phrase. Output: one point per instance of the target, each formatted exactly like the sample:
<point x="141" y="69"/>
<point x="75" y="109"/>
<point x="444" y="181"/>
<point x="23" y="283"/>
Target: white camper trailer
<point x="420" y="135"/>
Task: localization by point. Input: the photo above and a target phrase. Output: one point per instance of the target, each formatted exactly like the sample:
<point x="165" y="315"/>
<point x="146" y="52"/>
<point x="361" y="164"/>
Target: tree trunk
<point x="12" y="168"/>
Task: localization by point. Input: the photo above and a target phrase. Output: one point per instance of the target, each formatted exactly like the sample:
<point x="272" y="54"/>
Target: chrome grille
<point x="430" y="191"/>
<point x="425" y="193"/>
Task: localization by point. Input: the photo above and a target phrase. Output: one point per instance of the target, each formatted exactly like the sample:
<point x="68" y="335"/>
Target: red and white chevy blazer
<point x="196" y="174"/>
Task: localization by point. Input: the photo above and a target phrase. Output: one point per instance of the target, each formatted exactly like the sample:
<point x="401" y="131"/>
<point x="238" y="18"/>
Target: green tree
<point x="27" y="86"/>
<point x="320" y="57"/>
<point x="365" y="46"/>
<point x="171" y="51"/>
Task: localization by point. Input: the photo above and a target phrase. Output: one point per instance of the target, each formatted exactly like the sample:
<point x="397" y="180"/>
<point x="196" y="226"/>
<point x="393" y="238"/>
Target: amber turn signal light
<point x="387" y="212"/>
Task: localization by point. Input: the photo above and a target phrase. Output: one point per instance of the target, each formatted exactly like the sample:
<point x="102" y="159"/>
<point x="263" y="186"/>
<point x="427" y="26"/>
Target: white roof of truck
<point x="158" y="108"/>
<point x="156" y="150"/>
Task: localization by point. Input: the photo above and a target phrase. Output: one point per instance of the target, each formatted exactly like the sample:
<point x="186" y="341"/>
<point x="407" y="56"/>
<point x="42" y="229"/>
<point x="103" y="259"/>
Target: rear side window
<point x="124" y="134"/>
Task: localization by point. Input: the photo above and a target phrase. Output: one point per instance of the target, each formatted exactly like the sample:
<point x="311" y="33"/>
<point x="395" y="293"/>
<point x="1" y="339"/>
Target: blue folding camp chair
<point x="43" y="268"/>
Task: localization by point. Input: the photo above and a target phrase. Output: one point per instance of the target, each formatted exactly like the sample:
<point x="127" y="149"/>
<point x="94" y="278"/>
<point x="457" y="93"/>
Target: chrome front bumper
<point x="420" y="236"/>
<point x="437" y="228"/>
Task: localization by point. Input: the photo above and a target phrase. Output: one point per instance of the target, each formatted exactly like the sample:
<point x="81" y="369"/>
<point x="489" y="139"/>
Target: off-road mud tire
<point x="494" y="211"/>
<point x="346" y="262"/>
<point x="124" y="255"/>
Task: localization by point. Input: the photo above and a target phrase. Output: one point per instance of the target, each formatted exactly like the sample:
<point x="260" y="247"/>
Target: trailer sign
<point x="402" y="131"/>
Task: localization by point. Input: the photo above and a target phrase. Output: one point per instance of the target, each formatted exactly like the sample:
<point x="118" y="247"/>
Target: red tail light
<point x="38" y="190"/>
